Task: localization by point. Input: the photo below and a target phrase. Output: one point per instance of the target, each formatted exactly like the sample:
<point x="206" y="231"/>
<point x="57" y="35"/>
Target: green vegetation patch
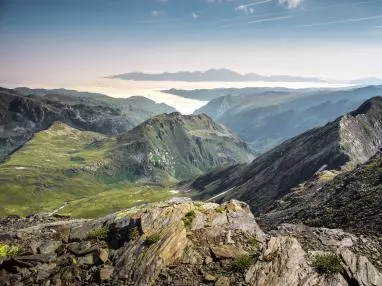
<point x="327" y="263"/>
<point x="115" y="198"/>
<point x="242" y="262"/>
<point x="8" y="250"/>
<point x="153" y="238"/>
<point x="134" y="233"/>
<point x="59" y="166"/>
<point x="254" y="244"/>
<point x="101" y="233"/>
<point x="188" y="218"/>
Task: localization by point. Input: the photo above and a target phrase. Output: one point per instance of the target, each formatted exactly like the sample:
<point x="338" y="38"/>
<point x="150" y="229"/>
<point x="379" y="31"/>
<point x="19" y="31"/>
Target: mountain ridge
<point x="25" y="111"/>
<point x="345" y="142"/>
<point x="284" y="116"/>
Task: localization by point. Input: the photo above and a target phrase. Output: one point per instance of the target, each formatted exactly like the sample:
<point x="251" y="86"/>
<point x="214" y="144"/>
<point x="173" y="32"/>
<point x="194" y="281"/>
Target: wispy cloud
<point x="195" y="15"/>
<point x="248" y="8"/>
<point x="273" y="19"/>
<point x="156" y="13"/>
<point x="291" y="3"/>
<point x="341" y="21"/>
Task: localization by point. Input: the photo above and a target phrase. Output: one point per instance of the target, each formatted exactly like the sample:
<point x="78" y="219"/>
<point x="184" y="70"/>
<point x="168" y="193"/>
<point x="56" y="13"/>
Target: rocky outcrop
<point x="350" y="200"/>
<point x="181" y="242"/>
<point x="345" y="142"/>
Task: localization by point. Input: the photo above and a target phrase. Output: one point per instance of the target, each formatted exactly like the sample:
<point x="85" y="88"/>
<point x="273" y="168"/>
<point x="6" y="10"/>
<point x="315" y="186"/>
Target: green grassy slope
<point x="61" y="164"/>
<point x="172" y="147"/>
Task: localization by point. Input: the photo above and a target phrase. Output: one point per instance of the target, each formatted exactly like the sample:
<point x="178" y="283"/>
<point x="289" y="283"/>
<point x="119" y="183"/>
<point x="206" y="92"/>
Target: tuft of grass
<point x="101" y="233"/>
<point x="199" y="207"/>
<point x="242" y="262"/>
<point x="134" y="233"/>
<point x="327" y="263"/>
<point x="153" y="238"/>
<point x="188" y="218"/>
<point x="9" y="250"/>
<point x="220" y="209"/>
<point x="254" y="243"/>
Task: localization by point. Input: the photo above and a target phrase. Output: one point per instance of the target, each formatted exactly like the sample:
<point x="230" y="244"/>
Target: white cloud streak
<point x="291" y="3"/>
<point x="340" y="21"/>
<point x="273" y="19"/>
<point x="248" y="8"/>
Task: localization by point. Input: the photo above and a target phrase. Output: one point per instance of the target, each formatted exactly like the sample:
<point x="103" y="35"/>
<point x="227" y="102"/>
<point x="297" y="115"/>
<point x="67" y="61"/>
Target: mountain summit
<point x="177" y="147"/>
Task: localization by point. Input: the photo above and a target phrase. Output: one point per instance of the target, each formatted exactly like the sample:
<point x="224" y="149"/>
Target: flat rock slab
<point x="227" y="251"/>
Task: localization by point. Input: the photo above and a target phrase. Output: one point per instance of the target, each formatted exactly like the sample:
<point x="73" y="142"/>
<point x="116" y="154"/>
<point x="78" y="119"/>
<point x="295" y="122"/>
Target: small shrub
<point x="242" y="262"/>
<point x="188" y="219"/>
<point x="220" y="209"/>
<point x="134" y="233"/>
<point x="8" y="250"/>
<point x="151" y="239"/>
<point x="101" y="233"/>
<point x="327" y="263"/>
<point x="77" y="159"/>
<point x="199" y="207"/>
<point x="254" y="243"/>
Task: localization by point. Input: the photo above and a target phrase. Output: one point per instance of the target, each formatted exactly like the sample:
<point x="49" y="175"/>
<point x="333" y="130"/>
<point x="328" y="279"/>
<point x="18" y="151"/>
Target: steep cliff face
<point x="186" y="243"/>
<point x="19" y="119"/>
<point x="361" y="131"/>
<point x="345" y="142"/>
<point x="176" y="147"/>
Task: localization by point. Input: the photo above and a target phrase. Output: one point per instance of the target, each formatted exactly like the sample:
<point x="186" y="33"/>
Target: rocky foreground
<point x="181" y="242"/>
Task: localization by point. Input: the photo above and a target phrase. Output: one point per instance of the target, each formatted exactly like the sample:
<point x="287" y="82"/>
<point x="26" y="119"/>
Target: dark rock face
<point x="349" y="140"/>
<point x="24" y="112"/>
<point x="181" y="242"/>
<point x="19" y="118"/>
<point x="352" y="201"/>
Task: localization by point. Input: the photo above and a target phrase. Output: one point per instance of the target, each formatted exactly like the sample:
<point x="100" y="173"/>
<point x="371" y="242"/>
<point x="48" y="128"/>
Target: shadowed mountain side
<point x="349" y="140"/>
<point x="351" y="201"/>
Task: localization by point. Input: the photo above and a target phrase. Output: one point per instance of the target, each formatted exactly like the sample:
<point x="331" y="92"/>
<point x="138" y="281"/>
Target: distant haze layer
<point x="152" y="89"/>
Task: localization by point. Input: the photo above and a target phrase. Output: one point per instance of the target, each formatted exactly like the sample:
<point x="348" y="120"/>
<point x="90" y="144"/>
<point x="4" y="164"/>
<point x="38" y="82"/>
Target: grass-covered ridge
<point x="171" y="147"/>
<point x="62" y="164"/>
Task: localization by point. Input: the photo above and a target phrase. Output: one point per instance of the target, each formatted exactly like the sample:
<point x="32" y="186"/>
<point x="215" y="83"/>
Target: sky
<point x="70" y="41"/>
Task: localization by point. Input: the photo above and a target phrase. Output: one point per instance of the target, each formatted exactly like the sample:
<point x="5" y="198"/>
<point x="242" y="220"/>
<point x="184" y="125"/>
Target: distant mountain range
<point x="226" y="75"/>
<point x="267" y="118"/>
<point x="219" y="75"/>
